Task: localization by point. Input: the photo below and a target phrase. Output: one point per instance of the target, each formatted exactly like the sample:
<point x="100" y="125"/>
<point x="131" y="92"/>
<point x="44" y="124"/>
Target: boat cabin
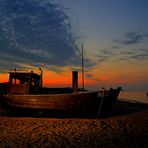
<point x="24" y="82"/>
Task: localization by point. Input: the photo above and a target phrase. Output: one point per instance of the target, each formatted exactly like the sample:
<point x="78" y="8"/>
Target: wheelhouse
<point x="24" y="82"/>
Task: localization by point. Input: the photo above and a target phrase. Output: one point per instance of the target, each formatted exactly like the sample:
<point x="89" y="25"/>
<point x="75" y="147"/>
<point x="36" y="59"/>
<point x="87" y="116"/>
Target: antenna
<point x="82" y="69"/>
<point x="41" y="80"/>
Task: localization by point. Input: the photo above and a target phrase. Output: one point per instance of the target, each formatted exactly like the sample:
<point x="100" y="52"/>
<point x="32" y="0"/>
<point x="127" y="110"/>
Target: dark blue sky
<point x="50" y="32"/>
<point x="35" y="32"/>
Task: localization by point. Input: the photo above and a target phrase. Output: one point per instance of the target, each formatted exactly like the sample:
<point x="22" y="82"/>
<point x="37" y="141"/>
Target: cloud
<point x="132" y="38"/>
<point x="90" y="76"/>
<point x="34" y="31"/>
<point x="103" y="55"/>
<point x="133" y="54"/>
<point x="116" y="53"/>
<point x="140" y="54"/>
<point x="126" y="54"/>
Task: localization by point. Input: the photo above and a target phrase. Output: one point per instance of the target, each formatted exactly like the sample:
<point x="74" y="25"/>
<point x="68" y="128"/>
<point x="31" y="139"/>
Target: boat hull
<point x="74" y="103"/>
<point x="51" y="101"/>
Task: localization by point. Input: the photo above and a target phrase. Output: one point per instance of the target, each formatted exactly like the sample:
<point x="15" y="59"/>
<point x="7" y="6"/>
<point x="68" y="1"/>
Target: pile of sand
<point x="123" y="128"/>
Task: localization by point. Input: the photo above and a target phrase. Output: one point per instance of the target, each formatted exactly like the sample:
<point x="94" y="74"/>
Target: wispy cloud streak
<point x="132" y="38"/>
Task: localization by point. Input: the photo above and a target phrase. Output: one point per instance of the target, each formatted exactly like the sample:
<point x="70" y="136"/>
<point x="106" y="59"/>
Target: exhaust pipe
<point x="75" y="81"/>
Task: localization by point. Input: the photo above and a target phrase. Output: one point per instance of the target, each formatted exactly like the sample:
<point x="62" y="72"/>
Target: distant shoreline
<point x="132" y="101"/>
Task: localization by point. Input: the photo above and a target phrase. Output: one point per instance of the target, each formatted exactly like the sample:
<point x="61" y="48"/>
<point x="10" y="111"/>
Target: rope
<point x="99" y="111"/>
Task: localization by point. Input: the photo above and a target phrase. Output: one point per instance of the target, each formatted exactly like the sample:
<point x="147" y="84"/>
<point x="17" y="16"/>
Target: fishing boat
<point x="25" y="91"/>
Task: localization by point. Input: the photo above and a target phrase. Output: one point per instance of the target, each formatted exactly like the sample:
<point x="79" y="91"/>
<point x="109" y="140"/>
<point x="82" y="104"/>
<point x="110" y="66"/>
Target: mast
<point x="82" y="69"/>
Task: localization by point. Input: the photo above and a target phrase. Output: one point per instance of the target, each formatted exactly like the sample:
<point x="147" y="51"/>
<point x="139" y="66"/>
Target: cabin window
<point x="15" y="81"/>
<point x="32" y="83"/>
<point x="18" y="81"/>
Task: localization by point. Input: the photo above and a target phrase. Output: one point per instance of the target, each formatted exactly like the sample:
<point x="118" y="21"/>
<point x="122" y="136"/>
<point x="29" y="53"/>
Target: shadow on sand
<point x="126" y="107"/>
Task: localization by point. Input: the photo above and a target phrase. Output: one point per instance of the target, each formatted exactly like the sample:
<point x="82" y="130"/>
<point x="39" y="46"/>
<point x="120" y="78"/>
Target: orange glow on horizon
<point x="4" y="77"/>
<point x="52" y="79"/>
<point x="109" y="74"/>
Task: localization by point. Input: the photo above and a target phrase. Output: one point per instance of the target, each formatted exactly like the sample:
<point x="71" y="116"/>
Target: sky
<point x="49" y="33"/>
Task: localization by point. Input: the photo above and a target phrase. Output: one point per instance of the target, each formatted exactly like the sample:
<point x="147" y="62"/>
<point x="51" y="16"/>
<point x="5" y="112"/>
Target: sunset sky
<point x="48" y="34"/>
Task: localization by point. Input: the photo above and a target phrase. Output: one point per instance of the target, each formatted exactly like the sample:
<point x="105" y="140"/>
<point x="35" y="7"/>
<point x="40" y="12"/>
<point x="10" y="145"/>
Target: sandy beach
<point x="126" y="126"/>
